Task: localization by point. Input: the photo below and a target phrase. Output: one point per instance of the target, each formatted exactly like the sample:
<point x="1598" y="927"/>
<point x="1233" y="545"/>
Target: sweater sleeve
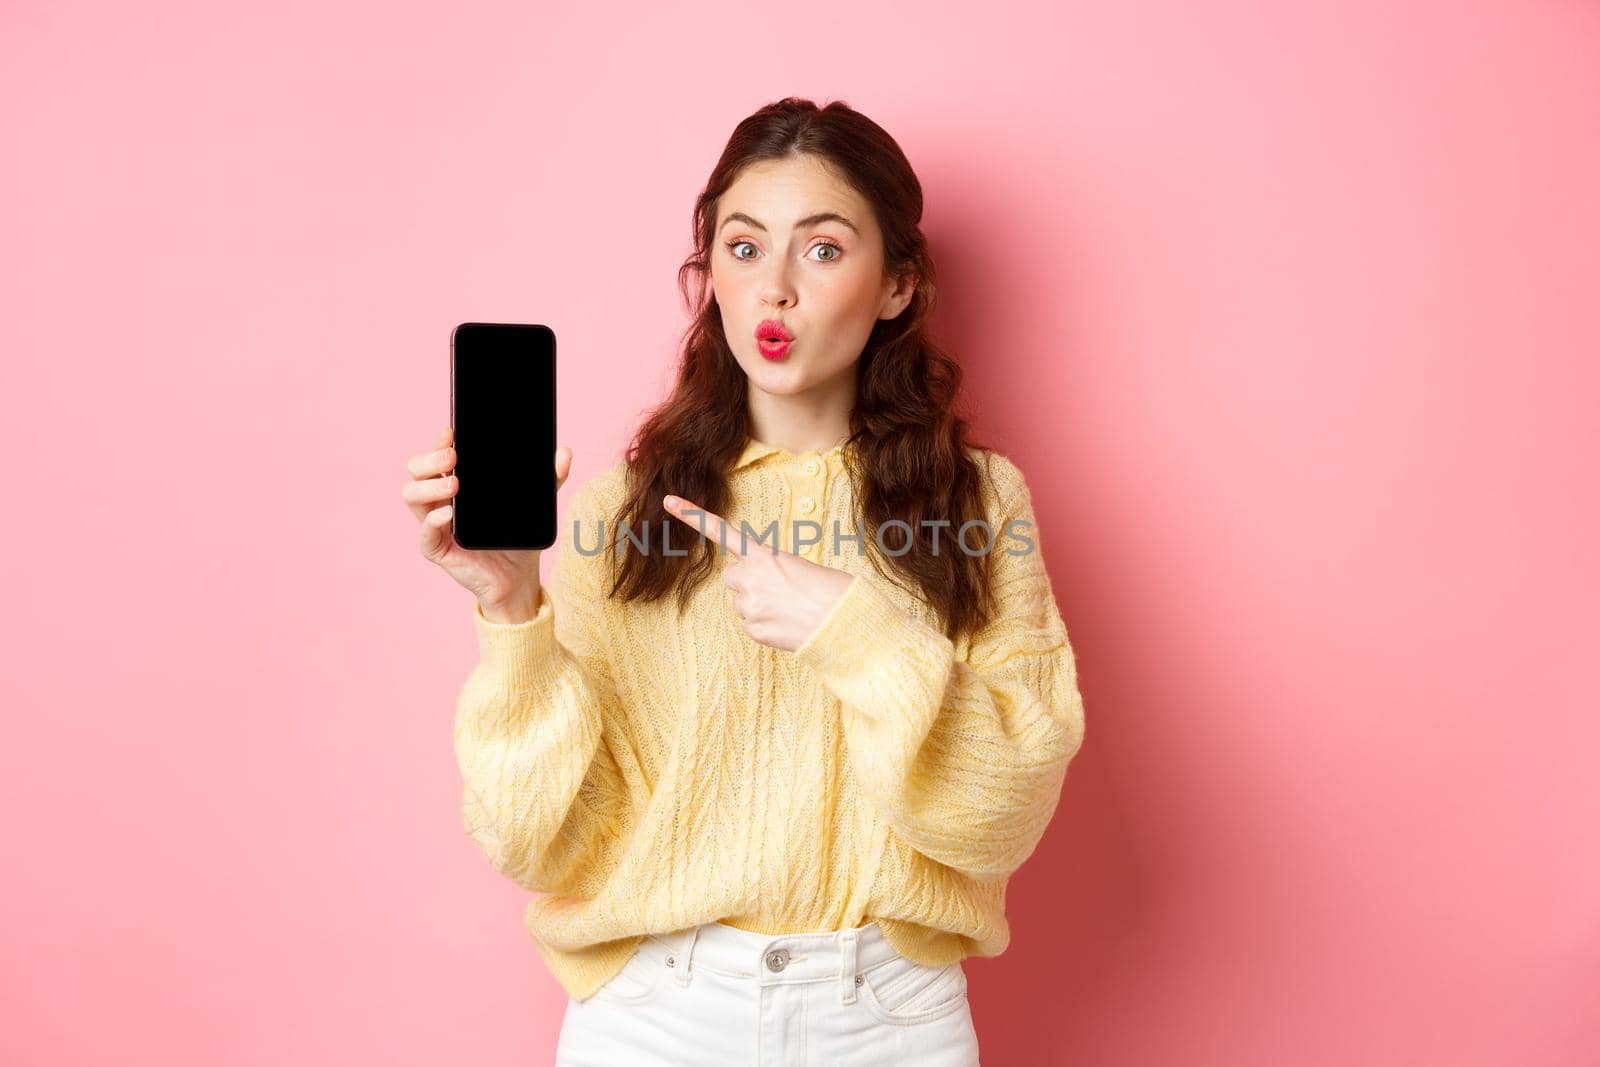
<point x="965" y="757"/>
<point x="536" y="730"/>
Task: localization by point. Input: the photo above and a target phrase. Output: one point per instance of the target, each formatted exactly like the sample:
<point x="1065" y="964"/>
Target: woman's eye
<point x="835" y="250"/>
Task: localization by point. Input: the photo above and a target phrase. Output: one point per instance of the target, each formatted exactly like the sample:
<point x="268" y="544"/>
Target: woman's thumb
<point x="563" y="465"/>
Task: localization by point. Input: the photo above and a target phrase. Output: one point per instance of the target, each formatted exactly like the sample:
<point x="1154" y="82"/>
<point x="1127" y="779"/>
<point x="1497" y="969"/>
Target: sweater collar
<point x="755" y="451"/>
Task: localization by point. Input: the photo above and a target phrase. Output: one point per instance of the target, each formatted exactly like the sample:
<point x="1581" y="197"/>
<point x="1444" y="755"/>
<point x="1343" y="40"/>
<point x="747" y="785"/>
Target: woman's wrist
<point x="513" y="610"/>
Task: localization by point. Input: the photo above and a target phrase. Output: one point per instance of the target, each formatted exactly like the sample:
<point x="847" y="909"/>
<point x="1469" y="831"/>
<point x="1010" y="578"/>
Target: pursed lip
<point x="772" y="328"/>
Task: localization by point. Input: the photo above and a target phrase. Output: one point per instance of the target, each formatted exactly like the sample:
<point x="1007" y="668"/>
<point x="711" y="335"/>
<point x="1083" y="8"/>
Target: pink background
<point x="1287" y="311"/>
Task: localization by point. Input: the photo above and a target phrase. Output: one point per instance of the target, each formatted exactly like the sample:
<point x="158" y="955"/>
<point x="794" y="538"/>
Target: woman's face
<point x="822" y="278"/>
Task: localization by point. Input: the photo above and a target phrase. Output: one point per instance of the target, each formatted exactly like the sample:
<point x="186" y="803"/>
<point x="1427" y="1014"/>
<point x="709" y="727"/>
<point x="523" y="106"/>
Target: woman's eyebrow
<point x="809" y="220"/>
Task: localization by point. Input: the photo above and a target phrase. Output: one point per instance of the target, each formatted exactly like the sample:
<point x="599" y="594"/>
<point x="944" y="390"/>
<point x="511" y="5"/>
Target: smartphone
<point x="503" y="411"/>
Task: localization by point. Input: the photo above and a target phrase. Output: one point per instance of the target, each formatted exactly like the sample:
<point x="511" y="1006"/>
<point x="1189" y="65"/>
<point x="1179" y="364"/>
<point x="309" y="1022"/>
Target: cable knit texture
<point x="640" y="773"/>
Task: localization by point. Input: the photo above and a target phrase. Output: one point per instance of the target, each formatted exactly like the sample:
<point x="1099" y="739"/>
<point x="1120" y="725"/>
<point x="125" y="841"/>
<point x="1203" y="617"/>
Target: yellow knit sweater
<point x="640" y="773"/>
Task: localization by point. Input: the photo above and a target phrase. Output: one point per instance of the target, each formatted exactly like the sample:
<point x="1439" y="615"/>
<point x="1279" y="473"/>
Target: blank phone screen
<point x="503" y="411"/>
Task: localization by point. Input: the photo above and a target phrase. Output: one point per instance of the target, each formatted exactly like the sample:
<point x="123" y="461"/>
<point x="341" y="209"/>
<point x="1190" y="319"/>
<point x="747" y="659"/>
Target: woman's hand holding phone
<point x="505" y="582"/>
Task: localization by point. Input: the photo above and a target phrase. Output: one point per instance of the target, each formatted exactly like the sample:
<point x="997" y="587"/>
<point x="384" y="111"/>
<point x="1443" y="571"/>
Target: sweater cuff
<point x="868" y="643"/>
<point x="524" y="653"/>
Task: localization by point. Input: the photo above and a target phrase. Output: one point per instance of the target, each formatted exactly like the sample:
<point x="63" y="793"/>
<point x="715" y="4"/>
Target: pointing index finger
<point x="709" y="523"/>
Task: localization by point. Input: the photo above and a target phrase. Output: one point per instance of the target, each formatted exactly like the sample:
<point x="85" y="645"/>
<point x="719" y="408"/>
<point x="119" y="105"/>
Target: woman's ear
<point x="897" y="300"/>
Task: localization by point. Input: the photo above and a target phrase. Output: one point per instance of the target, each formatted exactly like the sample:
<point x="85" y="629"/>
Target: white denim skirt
<point x="715" y="995"/>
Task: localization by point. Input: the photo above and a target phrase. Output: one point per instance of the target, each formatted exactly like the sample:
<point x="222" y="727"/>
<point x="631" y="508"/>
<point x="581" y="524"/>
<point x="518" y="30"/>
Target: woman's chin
<point x="779" y="376"/>
<point x="787" y="377"/>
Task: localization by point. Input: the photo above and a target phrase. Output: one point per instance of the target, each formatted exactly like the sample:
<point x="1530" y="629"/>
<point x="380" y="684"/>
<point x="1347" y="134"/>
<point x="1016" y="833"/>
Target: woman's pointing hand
<point x="780" y="597"/>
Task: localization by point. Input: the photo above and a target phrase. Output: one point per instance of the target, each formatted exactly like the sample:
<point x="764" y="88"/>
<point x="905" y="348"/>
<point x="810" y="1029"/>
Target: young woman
<point x="767" y="816"/>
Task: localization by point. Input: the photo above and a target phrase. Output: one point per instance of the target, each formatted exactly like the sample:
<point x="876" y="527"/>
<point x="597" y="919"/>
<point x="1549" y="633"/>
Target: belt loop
<point x="847" y="966"/>
<point x="685" y="956"/>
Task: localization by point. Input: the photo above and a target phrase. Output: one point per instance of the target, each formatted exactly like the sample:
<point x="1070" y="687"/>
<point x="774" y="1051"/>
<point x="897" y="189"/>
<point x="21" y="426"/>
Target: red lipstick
<point x="773" y="338"/>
